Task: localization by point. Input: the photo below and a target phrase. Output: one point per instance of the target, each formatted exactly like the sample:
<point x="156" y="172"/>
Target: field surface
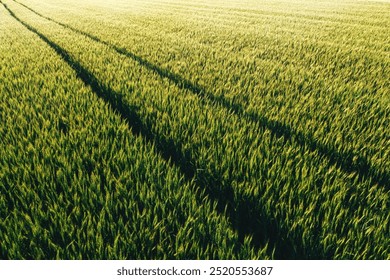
<point x="167" y="129"/>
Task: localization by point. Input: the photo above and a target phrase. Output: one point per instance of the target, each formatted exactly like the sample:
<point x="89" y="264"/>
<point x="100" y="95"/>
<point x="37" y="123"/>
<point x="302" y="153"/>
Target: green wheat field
<point x="194" y="129"/>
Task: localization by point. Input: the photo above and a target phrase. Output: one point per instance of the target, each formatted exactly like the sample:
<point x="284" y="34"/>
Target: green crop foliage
<point x="195" y="129"/>
<point x="77" y="183"/>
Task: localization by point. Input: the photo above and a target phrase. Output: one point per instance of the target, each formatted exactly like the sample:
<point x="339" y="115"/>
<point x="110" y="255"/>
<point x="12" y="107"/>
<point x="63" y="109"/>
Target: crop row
<point x="76" y="183"/>
<point x="272" y="187"/>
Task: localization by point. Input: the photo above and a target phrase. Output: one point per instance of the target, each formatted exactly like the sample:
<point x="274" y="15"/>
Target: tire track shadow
<point x="349" y="161"/>
<point x="246" y="216"/>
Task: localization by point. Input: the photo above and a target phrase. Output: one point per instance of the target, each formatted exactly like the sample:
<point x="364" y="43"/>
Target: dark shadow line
<point x="348" y="161"/>
<point x="245" y="214"/>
